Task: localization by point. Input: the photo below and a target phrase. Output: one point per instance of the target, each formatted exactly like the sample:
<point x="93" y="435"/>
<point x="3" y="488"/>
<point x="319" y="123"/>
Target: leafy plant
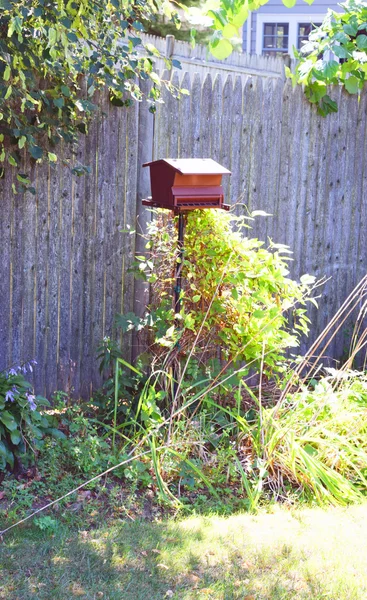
<point x="22" y="424"/>
<point x="226" y="18"/>
<point x="336" y="53"/>
<point x="46" y="523"/>
<point x="118" y="398"/>
<point x="237" y="298"/>
<point x="55" y="57"/>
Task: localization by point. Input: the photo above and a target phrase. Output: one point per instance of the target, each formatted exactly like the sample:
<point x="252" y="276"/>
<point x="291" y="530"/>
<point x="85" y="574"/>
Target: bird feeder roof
<point x="192" y="166"/>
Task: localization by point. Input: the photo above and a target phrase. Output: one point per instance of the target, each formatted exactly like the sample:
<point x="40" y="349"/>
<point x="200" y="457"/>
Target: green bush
<point x="22" y="423"/>
<point x="238" y="300"/>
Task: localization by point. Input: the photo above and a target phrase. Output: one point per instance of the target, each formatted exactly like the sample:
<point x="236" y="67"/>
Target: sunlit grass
<point x="314" y="554"/>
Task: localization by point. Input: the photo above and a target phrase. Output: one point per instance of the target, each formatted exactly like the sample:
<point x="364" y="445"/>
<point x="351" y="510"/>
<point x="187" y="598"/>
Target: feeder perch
<point x="180" y="184"/>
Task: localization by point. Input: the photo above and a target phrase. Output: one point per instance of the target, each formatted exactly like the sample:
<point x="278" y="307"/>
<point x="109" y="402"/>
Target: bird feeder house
<point x="180" y="184"/>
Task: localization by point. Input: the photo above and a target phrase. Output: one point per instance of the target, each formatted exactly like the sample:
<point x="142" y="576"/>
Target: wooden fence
<point x="65" y="260"/>
<point x="309" y="172"/>
<point x="198" y="59"/>
<point x="66" y="251"/>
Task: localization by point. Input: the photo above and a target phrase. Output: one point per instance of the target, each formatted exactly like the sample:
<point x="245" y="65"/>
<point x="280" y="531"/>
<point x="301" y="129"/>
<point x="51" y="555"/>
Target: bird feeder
<point x="182" y="184"/>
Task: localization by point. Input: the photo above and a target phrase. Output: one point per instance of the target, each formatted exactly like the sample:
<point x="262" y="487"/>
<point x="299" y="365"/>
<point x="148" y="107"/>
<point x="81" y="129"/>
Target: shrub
<point x="238" y="299"/>
<point x="22" y="424"/>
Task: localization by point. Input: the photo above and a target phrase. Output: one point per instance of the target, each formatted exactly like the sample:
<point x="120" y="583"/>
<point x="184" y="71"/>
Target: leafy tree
<point x="163" y="24"/>
<point x="55" y="56"/>
<point x="336" y="53"/>
<point x="227" y="17"/>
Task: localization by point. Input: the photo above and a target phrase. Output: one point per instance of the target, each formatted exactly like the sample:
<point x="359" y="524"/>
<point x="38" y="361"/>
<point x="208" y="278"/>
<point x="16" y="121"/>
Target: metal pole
<point x="178" y="288"/>
<point x="180" y="247"/>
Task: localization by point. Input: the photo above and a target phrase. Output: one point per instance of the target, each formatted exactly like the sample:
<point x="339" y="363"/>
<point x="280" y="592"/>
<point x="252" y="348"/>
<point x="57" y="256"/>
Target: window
<point x="275" y="38"/>
<point x="304" y="30"/>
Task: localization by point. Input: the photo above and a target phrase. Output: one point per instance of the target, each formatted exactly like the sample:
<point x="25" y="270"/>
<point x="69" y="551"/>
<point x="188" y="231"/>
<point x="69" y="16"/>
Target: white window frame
<point x="293" y="22"/>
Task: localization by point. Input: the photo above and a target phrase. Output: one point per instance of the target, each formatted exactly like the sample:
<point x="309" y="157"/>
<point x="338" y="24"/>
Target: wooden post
<point x="170" y="44"/>
<point x="143" y="216"/>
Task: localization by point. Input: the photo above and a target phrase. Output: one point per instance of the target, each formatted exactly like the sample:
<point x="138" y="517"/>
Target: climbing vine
<point x="336" y="53"/>
<point x="237" y="295"/>
<point x="55" y="56"/>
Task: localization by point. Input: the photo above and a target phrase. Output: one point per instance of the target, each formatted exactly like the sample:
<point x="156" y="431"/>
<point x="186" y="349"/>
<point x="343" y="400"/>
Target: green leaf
<point x="23" y="179"/>
<point x="330" y="68"/>
<point x="52" y="157"/>
<point x="115" y="100"/>
<point x="154" y="77"/>
<point x="351" y="29"/>
<point x="138" y="26"/>
<point x="7" y="418"/>
<point x="340" y="51"/>
<point x="327" y="106"/>
<point x="15" y="437"/>
<point x="36" y="152"/>
<point x="66" y="91"/>
<point x="351" y="84"/>
<point x="362" y="42"/>
<point x="82" y="127"/>
<point x="59" y="102"/>
<point x="52" y="36"/>
<point x="221" y="50"/>
<point x="22" y="140"/>
<point x="3" y="450"/>
<point x="218" y="17"/>
<point x="230" y="31"/>
<point x="241" y="16"/>
<point x="196" y="298"/>
<point x="7" y="73"/>
<point x="315" y="91"/>
<point x="55" y="433"/>
<point x="289" y="3"/>
<point x="72" y="37"/>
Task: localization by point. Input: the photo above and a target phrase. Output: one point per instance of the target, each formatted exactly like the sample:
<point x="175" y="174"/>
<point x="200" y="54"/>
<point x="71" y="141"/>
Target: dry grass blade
<point x="314" y="356"/>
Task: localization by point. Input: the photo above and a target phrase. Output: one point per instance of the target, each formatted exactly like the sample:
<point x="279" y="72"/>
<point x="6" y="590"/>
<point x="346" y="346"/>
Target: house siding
<point x="277" y="8"/>
<point x="317" y="7"/>
<point x="253" y="33"/>
<point x="244" y="37"/>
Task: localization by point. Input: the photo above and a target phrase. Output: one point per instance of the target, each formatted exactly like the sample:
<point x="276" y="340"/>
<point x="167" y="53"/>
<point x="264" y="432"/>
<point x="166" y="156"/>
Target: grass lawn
<point x="311" y="553"/>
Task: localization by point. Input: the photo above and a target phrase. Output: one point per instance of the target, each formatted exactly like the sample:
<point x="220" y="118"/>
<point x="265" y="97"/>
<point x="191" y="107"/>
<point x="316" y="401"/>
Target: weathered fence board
<point x="66" y="251"/>
<point x="198" y="59"/>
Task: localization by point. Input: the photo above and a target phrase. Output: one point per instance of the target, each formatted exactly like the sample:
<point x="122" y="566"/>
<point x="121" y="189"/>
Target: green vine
<point x="239" y="305"/>
<point x="55" y="56"/>
<point x="336" y="54"/>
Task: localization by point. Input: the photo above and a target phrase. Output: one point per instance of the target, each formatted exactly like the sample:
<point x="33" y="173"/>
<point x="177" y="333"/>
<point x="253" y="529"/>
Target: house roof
<point x="192" y="166"/>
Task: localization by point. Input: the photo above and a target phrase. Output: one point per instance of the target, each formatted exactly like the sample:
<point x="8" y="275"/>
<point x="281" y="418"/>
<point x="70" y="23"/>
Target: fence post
<point x="143" y="215"/>
<point x="170" y="44"/>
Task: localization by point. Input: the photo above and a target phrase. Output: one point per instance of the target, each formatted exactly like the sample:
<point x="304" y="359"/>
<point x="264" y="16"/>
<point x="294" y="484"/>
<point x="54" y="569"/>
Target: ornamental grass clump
<point x="316" y="442"/>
